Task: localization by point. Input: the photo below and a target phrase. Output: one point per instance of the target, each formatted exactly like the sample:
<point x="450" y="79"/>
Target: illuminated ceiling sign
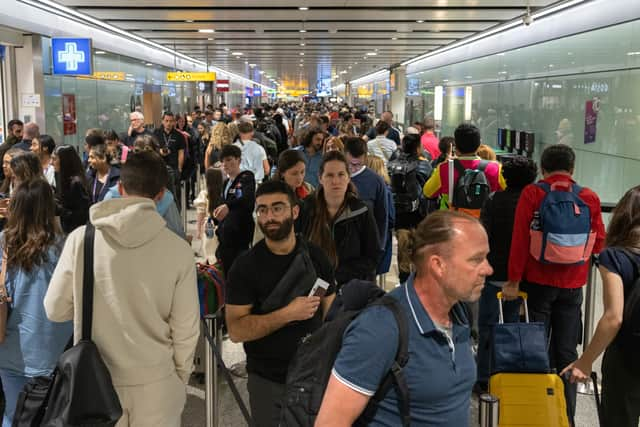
<point x="71" y="56"/>
<point x="109" y="75"/>
<point x="191" y="77"/>
<point x="222" y="85"/>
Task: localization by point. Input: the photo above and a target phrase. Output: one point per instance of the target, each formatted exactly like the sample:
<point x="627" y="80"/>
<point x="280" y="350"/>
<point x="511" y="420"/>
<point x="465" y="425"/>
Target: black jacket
<point x="73" y="206"/>
<point x="497" y="216"/>
<point x="112" y="179"/>
<point x="355" y="234"/>
<point x="236" y="229"/>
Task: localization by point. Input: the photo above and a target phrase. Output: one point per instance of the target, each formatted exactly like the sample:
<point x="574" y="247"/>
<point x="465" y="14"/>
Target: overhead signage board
<point x="222" y="85"/>
<point x="71" y="56"/>
<point x="109" y="75"/>
<point x="191" y="77"/>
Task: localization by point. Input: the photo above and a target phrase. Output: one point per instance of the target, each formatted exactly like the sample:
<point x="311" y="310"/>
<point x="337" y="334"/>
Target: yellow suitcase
<point x="532" y="400"/>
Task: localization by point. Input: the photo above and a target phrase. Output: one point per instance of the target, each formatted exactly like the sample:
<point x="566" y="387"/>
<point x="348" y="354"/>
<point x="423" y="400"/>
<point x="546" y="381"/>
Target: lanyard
<point x="93" y="193"/>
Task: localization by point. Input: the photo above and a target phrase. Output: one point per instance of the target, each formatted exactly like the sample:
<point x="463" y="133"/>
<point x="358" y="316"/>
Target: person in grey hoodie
<point x="146" y="310"/>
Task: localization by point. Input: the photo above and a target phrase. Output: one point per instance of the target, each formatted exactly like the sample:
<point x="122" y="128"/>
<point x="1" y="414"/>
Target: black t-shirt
<point x="252" y="278"/>
<point x="174" y="142"/>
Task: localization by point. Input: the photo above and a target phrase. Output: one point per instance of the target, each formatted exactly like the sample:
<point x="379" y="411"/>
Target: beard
<point x="277" y="234"/>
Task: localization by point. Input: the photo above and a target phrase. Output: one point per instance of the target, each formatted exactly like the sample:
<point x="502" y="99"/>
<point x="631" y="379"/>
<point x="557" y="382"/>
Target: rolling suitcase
<point x="532" y="400"/>
<point x="528" y="394"/>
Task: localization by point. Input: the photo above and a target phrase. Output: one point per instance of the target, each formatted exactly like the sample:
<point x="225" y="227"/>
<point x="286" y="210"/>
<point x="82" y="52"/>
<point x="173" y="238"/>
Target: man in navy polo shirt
<point x="450" y="256"/>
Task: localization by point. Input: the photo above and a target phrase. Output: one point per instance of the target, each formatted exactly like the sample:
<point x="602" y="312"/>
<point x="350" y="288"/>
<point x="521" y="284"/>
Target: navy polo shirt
<point x="440" y="373"/>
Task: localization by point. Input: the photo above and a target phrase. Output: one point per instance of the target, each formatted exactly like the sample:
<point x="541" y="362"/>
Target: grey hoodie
<point x="146" y="310"/>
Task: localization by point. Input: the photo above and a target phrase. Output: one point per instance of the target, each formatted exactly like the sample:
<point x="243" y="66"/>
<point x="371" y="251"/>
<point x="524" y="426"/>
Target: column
<point x="398" y="86"/>
<point x="30" y="84"/>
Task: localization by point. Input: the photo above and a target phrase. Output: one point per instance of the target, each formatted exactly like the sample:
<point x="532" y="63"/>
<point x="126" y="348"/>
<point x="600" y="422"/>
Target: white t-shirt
<point x="381" y="147"/>
<point x="252" y="157"/>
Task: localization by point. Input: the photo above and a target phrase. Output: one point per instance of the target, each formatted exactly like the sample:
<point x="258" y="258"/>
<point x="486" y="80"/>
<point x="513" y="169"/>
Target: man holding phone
<point x="271" y="301"/>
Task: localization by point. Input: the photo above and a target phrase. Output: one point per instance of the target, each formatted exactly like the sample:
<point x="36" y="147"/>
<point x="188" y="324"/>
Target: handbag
<point x="82" y="392"/>
<point x="519" y="347"/>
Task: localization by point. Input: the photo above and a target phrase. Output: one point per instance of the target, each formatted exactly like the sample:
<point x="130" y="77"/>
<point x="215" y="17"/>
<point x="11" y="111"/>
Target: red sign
<point x="222" y="85"/>
<point x="69" y="119"/>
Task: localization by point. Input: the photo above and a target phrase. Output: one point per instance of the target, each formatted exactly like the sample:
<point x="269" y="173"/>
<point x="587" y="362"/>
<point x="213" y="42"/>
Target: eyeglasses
<point x="277" y="209"/>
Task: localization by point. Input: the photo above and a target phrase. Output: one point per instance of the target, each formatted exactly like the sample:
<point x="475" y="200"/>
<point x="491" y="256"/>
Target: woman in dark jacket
<point x="340" y="223"/>
<point x="497" y="216"/>
<point x="101" y="176"/>
<point x="72" y="197"/>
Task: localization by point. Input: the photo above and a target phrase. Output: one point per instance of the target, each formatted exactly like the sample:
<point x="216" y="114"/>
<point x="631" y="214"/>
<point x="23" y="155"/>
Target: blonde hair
<point x="376" y="164"/>
<point x="220" y="136"/>
<point x="485" y="152"/>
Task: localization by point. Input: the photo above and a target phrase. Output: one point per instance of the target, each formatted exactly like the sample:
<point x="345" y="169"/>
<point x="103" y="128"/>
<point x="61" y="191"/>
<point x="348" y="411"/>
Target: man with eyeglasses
<point x="271" y="307"/>
<point x="136" y="129"/>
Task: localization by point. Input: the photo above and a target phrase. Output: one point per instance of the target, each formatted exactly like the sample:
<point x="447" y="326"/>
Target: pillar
<point x="398" y="86"/>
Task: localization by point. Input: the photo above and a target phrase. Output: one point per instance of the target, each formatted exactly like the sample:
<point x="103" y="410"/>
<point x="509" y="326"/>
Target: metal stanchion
<point x="211" y="391"/>
<point x="489" y="410"/>
<point x="183" y="204"/>
<point x="589" y="316"/>
<point x="198" y="180"/>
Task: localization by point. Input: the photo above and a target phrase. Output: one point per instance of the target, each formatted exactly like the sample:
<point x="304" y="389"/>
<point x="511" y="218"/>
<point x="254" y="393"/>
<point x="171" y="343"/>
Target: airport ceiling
<point x="305" y="40"/>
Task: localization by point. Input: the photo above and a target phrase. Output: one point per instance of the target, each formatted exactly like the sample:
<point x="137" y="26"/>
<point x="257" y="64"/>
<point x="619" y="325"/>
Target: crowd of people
<point x="297" y="194"/>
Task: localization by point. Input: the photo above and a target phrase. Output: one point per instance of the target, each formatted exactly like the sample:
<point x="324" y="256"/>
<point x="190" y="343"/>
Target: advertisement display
<point x="591" y="120"/>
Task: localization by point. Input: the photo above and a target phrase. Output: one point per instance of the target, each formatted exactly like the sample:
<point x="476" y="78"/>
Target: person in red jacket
<point x="555" y="290"/>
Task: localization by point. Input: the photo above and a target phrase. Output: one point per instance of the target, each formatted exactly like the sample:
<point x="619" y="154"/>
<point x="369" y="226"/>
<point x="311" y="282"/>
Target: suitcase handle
<point x="522" y="295"/>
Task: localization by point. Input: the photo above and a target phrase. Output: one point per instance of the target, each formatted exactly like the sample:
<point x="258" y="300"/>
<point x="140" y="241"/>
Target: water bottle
<point x="208" y="229"/>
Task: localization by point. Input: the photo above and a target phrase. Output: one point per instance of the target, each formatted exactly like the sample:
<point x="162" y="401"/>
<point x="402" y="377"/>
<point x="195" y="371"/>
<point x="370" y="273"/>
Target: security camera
<point x="527" y="19"/>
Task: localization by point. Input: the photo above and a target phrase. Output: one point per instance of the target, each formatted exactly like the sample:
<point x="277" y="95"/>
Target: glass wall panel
<point x="547" y="89"/>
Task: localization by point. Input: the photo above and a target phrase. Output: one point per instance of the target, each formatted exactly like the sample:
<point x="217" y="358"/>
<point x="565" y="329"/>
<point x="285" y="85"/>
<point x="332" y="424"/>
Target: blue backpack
<point x="561" y="228"/>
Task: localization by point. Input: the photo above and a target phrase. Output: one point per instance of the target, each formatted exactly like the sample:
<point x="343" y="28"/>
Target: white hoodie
<point x="145" y="308"/>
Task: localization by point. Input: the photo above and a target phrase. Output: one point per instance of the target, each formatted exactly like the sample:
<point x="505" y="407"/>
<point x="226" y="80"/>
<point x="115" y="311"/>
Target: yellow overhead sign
<point x="191" y="77"/>
<point x="109" y="75"/>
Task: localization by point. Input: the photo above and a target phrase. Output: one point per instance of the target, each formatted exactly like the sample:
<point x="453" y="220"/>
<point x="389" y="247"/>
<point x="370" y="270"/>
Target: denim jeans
<point x="487" y="318"/>
<point x="12" y="385"/>
<point x="561" y="311"/>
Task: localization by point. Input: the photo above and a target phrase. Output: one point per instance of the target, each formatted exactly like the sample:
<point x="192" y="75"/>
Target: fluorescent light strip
<point x="370" y="77"/>
<point x="66" y="12"/>
<point x="499" y="29"/>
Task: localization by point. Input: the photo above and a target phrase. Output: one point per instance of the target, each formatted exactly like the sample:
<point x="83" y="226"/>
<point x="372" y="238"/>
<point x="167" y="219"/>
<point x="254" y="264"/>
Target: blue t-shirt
<point x="440" y="372"/>
<point x="619" y="262"/>
<point x="32" y="343"/>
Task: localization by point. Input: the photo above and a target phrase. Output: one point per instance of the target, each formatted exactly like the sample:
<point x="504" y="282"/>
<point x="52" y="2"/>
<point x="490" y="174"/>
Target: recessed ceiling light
<point x="260" y="72"/>
<point x="210" y="38"/>
<point x="394" y="38"/>
<point x="302" y="44"/>
<point x="206" y="30"/>
<point x="468" y="77"/>
<point x="356" y="63"/>
<point x="246" y="62"/>
<point x="227" y="49"/>
<point x="237" y="53"/>
<point x="302" y="65"/>
<point x="303" y="31"/>
<point x="148" y="64"/>
<point x="420" y="21"/>
<point x="372" y="53"/>
<point x="350" y="67"/>
<point x="189" y="21"/>
<point x="252" y="65"/>
<point x="301" y="53"/>
<point x="100" y="52"/>
<point x="445" y="80"/>
<point x="303" y="8"/>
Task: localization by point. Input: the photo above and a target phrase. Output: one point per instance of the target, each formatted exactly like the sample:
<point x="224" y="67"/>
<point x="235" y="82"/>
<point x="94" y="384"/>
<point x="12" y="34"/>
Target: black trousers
<point x="620" y="390"/>
<point x="265" y="399"/>
<point x="561" y="311"/>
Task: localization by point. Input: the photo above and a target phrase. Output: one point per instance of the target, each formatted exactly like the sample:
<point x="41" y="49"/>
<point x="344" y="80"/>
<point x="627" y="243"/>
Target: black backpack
<point x="472" y="188"/>
<point x="310" y="369"/>
<point x="629" y="334"/>
<point x="404" y="183"/>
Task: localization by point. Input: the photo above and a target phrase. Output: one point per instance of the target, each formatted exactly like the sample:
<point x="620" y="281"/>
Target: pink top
<point x="430" y="142"/>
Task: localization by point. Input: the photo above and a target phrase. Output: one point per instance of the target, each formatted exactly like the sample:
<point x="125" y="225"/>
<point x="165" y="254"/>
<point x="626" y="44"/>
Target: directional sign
<point x="109" y="75"/>
<point x="191" y="77"/>
<point x="222" y="85"/>
<point x="71" y="56"/>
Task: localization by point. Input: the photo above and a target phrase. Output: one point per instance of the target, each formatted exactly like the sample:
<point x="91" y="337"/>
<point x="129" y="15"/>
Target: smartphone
<point x="319" y="288"/>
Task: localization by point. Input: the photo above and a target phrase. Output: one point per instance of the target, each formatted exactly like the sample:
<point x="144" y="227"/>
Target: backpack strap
<point x="482" y="165"/>
<point x="87" y="282"/>
<point x="459" y="167"/>
<point x="396" y="375"/>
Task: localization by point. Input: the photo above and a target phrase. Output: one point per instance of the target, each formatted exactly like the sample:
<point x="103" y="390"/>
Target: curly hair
<point x="519" y="171"/>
